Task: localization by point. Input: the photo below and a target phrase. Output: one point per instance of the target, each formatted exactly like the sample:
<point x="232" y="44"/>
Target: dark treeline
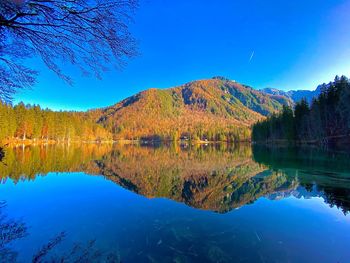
<point x="325" y="121"/>
<point x="23" y="122"/>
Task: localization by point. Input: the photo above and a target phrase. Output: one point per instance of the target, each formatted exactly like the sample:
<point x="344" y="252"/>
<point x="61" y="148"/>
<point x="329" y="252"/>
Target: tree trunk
<point x="2" y="153"/>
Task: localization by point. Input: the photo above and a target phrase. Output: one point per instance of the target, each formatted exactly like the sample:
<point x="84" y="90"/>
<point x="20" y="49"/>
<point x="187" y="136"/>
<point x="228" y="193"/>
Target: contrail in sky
<point x="251" y="57"/>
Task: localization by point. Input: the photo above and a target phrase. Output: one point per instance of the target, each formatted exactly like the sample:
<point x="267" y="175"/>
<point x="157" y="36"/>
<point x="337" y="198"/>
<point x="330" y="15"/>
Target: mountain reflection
<point x="211" y="177"/>
<point x="319" y="172"/>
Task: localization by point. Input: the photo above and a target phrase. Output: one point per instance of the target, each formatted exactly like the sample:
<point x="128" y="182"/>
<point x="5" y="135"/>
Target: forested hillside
<point x="325" y="121"/>
<point x="27" y="122"/>
<point x="214" y="109"/>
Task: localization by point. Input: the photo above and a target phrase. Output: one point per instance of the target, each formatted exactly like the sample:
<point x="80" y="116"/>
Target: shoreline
<point x="328" y="142"/>
<point x="37" y="142"/>
<point x="14" y="142"/>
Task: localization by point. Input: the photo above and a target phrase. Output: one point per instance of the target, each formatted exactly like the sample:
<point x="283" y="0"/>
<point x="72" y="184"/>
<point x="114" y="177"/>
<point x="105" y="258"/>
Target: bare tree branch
<point x="91" y="34"/>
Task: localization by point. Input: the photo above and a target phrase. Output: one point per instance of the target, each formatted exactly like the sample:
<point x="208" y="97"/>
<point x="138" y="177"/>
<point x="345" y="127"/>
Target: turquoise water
<point x="174" y="204"/>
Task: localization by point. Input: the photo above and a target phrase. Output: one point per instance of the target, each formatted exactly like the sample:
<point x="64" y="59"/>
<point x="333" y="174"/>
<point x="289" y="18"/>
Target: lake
<point x="174" y="203"/>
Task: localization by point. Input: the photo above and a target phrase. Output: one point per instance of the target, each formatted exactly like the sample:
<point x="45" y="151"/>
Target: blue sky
<point x="271" y="43"/>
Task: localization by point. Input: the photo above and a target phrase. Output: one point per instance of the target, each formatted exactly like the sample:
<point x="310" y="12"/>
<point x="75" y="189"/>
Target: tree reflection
<point x="10" y="230"/>
<point x="216" y="177"/>
<point x="319" y="172"/>
<point x="213" y="177"/>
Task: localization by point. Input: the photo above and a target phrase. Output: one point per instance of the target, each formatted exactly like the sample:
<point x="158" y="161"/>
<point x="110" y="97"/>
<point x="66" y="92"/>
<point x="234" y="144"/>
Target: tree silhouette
<point x="89" y="34"/>
<point x="13" y="229"/>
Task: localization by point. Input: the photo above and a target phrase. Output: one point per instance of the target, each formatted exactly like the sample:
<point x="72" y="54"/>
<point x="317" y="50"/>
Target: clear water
<point x="103" y="203"/>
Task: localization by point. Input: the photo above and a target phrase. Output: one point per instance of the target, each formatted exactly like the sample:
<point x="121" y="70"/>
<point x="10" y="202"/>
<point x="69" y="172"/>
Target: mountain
<point x="294" y="95"/>
<point x="212" y="109"/>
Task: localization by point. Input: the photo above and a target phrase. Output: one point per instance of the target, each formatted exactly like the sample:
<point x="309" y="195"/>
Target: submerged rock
<point x="216" y="254"/>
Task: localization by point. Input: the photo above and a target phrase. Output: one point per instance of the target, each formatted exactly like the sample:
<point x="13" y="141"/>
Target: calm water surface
<point x="103" y="203"/>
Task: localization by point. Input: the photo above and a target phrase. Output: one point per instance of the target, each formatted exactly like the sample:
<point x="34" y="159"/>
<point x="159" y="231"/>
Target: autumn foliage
<point x="215" y="110"/>
<point x="208" y="110"/>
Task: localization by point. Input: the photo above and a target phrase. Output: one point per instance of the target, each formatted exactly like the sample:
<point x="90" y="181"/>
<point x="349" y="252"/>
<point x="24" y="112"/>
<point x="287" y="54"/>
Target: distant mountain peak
<point x="294" y="95"/>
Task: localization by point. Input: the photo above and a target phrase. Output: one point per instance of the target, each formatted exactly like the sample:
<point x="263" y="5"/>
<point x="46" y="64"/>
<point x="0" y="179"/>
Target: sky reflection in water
<point x="178" y="204"/>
